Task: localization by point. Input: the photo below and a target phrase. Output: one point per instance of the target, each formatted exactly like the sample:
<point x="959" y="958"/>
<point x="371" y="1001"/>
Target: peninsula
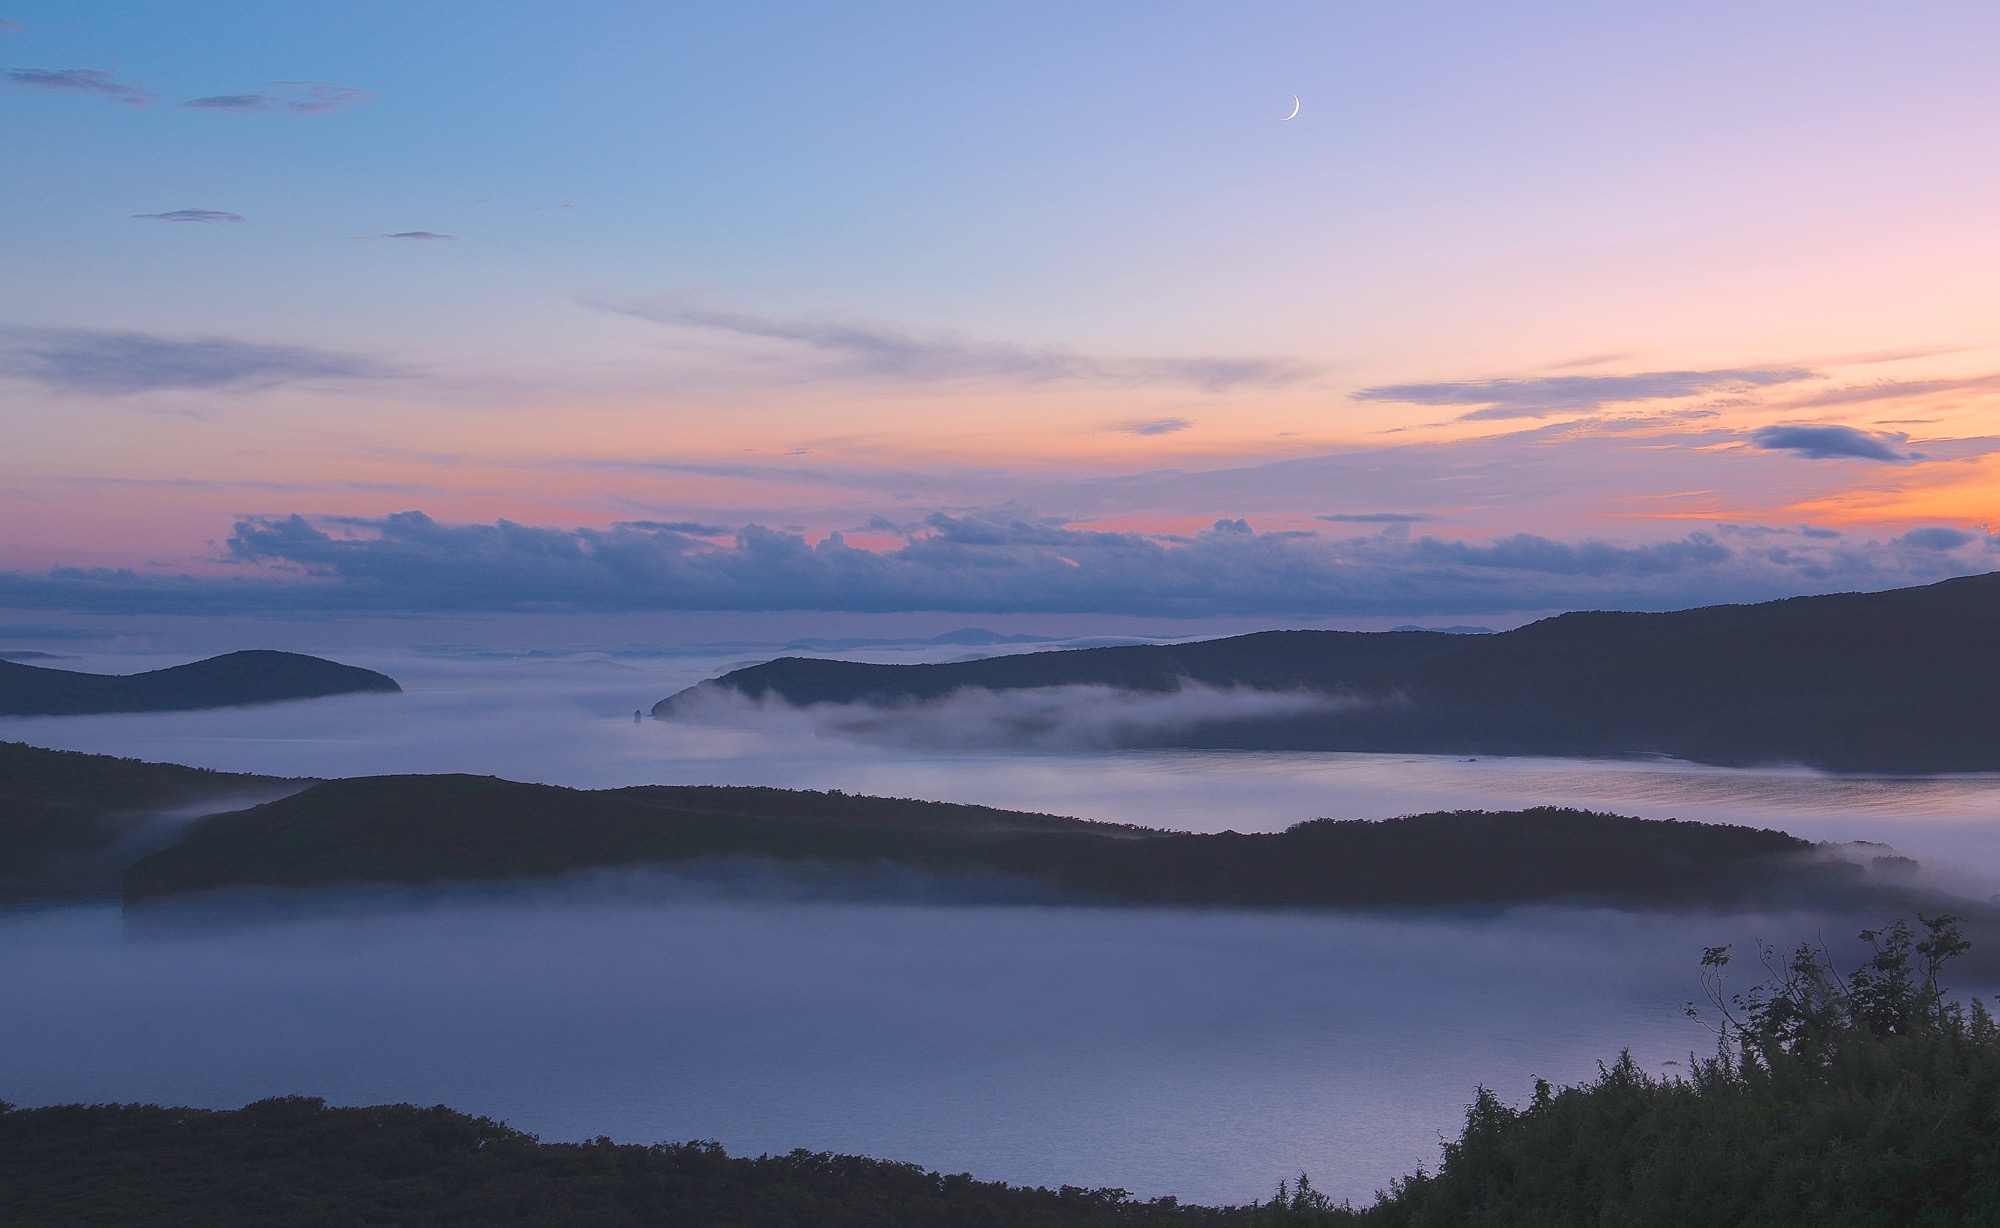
<point x="1904" y="681"/>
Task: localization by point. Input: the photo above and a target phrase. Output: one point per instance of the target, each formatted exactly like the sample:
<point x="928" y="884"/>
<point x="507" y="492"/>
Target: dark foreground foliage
<point x="1832" y="1101"/>
<point x="296" y="1162"/>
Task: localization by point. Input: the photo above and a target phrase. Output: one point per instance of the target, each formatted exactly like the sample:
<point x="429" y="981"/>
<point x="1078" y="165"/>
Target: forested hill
<point x="1266" y="660"/>
<point x="418" y="829"/>
<point x="253" y="677"/>
<point x="63" y="806"/>
<point x="1900" y="681"/>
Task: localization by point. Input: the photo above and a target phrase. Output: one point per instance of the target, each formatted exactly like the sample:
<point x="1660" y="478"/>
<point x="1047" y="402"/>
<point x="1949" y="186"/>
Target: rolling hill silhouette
<point x="1901" y="681"/>
<point x="422" y="829"/>
<point x="63" y="805"/>
<point x="254" y="677"/>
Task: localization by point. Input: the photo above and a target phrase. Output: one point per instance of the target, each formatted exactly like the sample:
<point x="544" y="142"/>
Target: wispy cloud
<point x="86" y="360"/>
<point x="1377" y="517"/>
<point x="285" y="98"/>
<point x="1539" y="398"/>
<point x="1215" y="374"/>
<point x="999" y="562"/>
<point x="1897" y="390"/>
<point x="879" y="349"/>
<point x="422" y="236"/>
<point x="1156" y="426"/>
<point x="210" y="217"/>
<point x="885" y="351"/>
<point x="82" y="81"/>
<point x="1816" y="442"/>
<point x="9" y="27"/>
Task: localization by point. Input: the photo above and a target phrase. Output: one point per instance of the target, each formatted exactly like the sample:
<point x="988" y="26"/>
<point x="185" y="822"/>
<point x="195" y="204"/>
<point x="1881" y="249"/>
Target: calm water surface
<point x="1203" y="1054"/>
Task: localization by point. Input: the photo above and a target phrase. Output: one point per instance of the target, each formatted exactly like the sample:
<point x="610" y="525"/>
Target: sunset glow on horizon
<point x="881" y="307"/>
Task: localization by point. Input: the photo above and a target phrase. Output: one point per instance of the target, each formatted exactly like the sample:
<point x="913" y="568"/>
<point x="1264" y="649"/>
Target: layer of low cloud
<point x="1559" y="394"/>
<point x="285" y="98"/>
<point x="93" y="81"/>
<point x="1833" y="442"/>
<point x="1064" y="718"/>
<point x="209" y="217"/>
<point x="119" y="363"/>
<point x="887" y="352"/>
<point x="1000" y="562"/>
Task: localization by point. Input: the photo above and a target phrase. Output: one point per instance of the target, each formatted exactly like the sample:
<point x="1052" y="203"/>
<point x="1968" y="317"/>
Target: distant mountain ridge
<point x="257" y="676"/>
<point x="1901" y="681"/>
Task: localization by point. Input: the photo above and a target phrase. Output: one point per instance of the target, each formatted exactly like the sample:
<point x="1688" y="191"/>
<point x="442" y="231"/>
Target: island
<point x="252" y="677"/>
<point x="1903" y="681"/>
<point x="443" y="828"/>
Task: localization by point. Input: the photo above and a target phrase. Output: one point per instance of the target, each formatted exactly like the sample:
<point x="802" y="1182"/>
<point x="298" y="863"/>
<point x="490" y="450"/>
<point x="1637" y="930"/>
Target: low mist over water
<point x="568" y="719"/>
<point x="1200" y="1053"/>
<point x="1204" y="1054"/>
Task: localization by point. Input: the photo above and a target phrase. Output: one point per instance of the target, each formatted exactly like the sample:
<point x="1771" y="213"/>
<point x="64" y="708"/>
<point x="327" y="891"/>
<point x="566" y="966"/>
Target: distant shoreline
<point x="1904" y="682"/>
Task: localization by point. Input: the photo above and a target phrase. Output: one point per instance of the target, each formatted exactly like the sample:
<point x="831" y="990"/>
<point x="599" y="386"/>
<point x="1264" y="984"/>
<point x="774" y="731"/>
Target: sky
<point x="975" y="313"/>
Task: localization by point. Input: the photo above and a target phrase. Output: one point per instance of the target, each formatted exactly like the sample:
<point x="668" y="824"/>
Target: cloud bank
<point x="118" y="363"/>
<point x="82" y="81"/>
<point x="1539" y="398"/>
<point x="994" y="563"/>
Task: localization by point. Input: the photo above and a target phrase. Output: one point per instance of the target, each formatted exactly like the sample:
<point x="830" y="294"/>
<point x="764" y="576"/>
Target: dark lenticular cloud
<point x="422" y="236"/>
<point x="82" y="81"/>
<point x="285" y="98"/>
<point x="1834" y="443"/>
<point x="1539" y="398"/>
<point x="85" y="360"/>
<point x="210" y="217"/>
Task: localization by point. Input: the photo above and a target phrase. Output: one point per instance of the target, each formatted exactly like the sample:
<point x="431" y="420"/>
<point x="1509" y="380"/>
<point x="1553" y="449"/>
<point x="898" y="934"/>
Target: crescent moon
<point x="1295" y="110"/>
